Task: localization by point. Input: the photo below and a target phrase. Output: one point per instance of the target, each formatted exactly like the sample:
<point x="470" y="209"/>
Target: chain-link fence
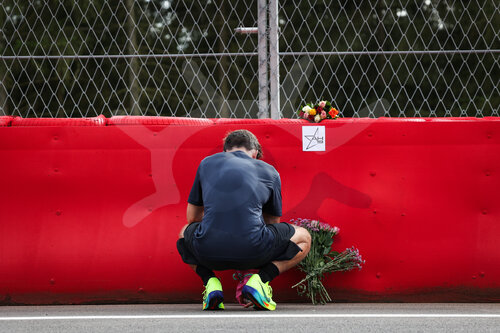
<point x="188" y="58"/>
<point x="411" y="58"/>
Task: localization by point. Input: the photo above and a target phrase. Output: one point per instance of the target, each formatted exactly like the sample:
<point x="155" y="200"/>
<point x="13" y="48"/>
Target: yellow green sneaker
<point x="213" y="296"/>
<point x="259" y="293"/>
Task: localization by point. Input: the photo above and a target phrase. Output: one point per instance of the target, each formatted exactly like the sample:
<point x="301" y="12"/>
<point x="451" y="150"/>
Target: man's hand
<point x="194" y="213"/>
<point x="270" y="219"/>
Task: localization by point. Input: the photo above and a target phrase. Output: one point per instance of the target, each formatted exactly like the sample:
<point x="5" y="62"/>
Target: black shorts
<point x="283" y="249"/>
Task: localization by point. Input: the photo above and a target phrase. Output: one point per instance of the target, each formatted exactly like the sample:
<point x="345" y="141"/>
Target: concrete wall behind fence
<point x="90" y="208"/>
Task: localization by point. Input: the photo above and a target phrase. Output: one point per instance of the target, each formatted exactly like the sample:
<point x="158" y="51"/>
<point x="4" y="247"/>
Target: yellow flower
<point x="312" y="112"/>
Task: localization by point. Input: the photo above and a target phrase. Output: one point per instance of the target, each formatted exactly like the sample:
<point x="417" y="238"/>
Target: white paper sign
<point x="313" y="138"/>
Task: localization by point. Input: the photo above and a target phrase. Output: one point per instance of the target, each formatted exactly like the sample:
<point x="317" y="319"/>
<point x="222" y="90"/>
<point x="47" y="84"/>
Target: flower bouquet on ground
<point x="321" y="260"/>
<point x="318" y="112"/>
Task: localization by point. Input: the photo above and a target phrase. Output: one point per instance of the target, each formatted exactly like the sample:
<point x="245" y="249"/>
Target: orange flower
<point x="333" y="112"/>
<point x="312" y="112"/>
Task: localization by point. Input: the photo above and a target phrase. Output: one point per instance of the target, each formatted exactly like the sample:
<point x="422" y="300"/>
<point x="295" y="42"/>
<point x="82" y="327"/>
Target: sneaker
<point x="242" y="278"/>
<point x="259" y="293"/>
<point x="212" y="296"/>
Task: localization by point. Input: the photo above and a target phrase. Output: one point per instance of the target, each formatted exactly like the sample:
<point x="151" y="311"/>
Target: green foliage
<point x="322" y="260"/>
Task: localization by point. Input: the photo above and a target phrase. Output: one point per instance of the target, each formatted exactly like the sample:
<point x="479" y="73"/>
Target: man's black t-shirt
<point x="235" y="189"/>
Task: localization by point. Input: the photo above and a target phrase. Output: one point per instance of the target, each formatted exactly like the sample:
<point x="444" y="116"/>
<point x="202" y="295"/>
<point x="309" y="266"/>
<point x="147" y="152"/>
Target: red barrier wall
<point x="90" y="209"/>
<point x="5" y="120"/>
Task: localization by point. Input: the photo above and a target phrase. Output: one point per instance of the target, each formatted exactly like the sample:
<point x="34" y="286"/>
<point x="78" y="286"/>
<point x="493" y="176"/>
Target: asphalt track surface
<point x="394" y="317"/>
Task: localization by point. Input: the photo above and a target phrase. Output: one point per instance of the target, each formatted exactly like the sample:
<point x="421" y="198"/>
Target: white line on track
<point x="270" y="315"/>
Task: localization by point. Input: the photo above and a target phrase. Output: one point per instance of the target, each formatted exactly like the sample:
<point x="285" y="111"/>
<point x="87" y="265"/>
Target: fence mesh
<point x="409" y="58"/>
<point x="183" y="58"/>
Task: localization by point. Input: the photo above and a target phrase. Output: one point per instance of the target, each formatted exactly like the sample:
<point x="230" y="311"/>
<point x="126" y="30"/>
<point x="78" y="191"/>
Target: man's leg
<point x="213" y="297"/>
<point x="303" y="240"/>
<point x="203" y="272"/>
<point x="271" y="270"/>
<point x="257" y="288"/>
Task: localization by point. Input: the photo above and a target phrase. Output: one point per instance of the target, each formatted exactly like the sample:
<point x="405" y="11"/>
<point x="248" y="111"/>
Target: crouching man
<point x="233" y="216"/>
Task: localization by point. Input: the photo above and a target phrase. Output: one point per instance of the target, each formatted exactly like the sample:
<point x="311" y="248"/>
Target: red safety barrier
<point x="94" y="121"/>
<point x="91" y="214"/>
<point x="151" y="120"/>
<point x="5" y="120"/>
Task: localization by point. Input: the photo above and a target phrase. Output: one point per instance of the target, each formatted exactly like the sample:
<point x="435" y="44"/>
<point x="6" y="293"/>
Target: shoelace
<point x="240" y="277"/>
<point x="269" y="289"/>
<point x="204" y="294"/>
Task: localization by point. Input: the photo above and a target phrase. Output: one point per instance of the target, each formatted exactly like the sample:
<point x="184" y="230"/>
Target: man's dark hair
<point x="242" y="138"/>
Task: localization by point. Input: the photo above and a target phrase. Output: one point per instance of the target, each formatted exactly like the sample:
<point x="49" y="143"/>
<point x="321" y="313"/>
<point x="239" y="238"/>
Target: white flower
<point x="306" y="109"/>
<point x="322" y="104"/>
<point x="317" y="119"/>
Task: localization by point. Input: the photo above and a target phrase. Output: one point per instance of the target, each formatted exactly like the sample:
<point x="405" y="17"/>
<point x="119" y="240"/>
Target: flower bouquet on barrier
<point x="321" y="260"/>
<point x="318" y="112"/>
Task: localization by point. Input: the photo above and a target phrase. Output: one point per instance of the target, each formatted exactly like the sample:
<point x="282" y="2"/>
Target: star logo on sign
<point x="314" y="139"/>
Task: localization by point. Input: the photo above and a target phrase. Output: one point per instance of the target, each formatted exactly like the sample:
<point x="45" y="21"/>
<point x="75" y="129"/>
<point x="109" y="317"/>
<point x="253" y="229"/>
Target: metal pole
<point x="262" y="49"/>
<point x="274" y="72"/>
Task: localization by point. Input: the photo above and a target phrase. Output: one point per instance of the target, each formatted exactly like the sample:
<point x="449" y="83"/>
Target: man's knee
<point x="301" y="236"/>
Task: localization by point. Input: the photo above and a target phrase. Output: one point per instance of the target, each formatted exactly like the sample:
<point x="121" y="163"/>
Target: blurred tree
<point x="81" y="73"/>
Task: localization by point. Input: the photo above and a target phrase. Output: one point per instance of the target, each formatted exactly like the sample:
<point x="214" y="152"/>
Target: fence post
<point x="134" y="66"/>
<point x="262" y="46"/>
<point x="274" y="71"/>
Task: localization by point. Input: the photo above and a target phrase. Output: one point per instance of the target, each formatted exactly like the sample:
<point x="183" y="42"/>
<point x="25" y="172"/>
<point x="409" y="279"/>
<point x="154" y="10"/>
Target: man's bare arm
<point x="270" y="219"/>
<point x="194" y="213"/>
